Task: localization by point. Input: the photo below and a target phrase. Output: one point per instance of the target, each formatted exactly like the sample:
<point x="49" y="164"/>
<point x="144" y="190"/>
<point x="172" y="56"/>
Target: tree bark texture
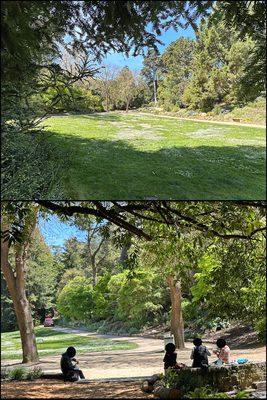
<point x="15" y="279"/>
<point x="177" y="323"/>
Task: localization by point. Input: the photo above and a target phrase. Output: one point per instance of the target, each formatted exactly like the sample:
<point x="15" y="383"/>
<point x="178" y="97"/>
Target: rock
<point x="261" y="385"/>
<point x="167" y="394"/>
<point x="258" y="395"/>
<point x="147" y="387"/>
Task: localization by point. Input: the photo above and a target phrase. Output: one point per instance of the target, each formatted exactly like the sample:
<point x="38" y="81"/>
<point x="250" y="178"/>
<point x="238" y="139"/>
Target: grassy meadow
<point x="133" y="156"/>
<point x="52" y="342"/>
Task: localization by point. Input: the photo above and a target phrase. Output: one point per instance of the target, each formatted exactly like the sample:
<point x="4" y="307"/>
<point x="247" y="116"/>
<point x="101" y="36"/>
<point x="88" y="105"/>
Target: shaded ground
<point x="51" y="389"/>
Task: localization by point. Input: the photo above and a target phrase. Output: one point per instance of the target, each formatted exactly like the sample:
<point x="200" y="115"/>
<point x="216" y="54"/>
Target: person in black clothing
<point x="68" y="366"/>
<point x="199" y="354"/>
<point x="170" y="356"/>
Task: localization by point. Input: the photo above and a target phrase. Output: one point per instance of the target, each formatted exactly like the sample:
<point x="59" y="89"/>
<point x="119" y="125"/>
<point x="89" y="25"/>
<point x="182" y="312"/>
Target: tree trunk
<point x="127" y="105"/>
<point x="155" y="87"/>
<point x="177" y="323"/>
<point x="26" y="327"/>
<point x="107" y="105"/>
<point x="16" y="285"/>
<point x="94" y="270"/>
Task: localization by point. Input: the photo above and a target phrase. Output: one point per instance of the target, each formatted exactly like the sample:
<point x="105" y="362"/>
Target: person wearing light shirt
<point x="223" y="351"/>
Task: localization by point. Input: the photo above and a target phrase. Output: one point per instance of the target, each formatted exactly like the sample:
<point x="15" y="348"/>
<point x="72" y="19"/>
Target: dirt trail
<point x="145" y="360"/>
<point x="51" y="389"/>
<point x="199" y="120"/>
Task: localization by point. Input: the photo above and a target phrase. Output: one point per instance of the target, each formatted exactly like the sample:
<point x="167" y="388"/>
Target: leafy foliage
<point x="218" y="67"/>
<point x="177" y="69"/>
<point x="75" y="301"/>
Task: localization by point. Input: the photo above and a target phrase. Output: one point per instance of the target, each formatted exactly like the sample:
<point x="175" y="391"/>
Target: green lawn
<point x="50" y="342"/>
<point x="120" y="156"/>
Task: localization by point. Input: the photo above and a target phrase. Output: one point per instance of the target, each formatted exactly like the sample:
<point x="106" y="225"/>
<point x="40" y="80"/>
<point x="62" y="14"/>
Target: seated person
<point x="199" y="354"/>
<point x="68" y="365"/>
<point x="223" y="352"/>
<point x="170" y="356"/>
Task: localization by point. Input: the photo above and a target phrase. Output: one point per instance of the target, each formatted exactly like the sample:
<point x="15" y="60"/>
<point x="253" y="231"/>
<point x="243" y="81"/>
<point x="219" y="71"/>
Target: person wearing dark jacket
<point x="68" y="365"/>
<point x="170" y="356"/>
<point x="199" y="354"/>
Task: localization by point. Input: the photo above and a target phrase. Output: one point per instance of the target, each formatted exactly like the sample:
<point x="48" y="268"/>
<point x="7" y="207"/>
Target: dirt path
<point x="145" y="360"/>
<point x="199" y="120"/>
<point x="51" y="389"/>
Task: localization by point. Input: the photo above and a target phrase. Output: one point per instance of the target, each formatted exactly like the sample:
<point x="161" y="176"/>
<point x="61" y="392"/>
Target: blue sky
<point x="135" y="63"/>
<point x="55" y="232"/>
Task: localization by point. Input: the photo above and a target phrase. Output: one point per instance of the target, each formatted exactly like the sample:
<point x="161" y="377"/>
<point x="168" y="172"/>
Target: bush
<point x="4" y="373"/>
<point x="75" y="301"/>
<point x="75" y="98"/>
<point x="260" y="327"/>
<point x="206" y="392"/>
<point x="30" y="166"/>
<point x="175" y="109"/>
<point x="34" y="373"/>
<point x="21" y="373"/>
<point x="17" y="374"/>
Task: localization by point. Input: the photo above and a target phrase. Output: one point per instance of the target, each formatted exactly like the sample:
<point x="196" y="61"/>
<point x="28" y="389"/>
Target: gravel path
<point x="145" y="360"/>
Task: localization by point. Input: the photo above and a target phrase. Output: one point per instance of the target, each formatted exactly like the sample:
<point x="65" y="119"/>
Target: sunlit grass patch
<point x="51" y="342"/>
<point x="134" y="156"/>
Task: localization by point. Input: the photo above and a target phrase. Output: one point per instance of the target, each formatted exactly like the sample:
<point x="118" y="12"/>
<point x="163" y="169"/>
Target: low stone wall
<point x="222" y="379"/>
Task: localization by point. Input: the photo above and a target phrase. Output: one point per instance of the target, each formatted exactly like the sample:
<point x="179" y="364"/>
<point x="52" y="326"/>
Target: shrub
<point x="260" y="327"/>
<point x="175" y="109"/>
<point x="34" y="373"/>
<point x="4" y="373"/>
<point x="75" y="301"/>
<point x="17" y="374"/>
<point x="30" y="166"/>
<point x="205" y="392"/>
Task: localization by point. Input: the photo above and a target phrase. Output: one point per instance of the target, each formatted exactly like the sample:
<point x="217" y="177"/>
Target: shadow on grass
<point x="42" y="332"/>
<point x="114" y="169"/>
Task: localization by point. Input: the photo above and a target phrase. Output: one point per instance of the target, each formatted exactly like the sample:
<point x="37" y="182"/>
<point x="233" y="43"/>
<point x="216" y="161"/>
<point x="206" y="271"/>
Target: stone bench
<point x="223" y="379"/>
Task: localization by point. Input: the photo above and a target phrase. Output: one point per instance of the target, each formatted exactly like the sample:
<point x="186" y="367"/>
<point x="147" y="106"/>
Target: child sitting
<point x="170" y="358"/>
<point x="199" y="354"/>
<point x="223" y="352"/>
<point x="69" y="367"/>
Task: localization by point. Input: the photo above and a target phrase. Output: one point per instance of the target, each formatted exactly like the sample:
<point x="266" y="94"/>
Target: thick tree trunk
<point x="177" y="323"/>
<point x="15" y="280"/>
<point x="26" y="327"/>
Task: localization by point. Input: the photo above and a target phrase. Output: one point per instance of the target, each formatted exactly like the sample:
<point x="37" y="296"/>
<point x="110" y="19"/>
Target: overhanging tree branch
<point x="114" y="215"/>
